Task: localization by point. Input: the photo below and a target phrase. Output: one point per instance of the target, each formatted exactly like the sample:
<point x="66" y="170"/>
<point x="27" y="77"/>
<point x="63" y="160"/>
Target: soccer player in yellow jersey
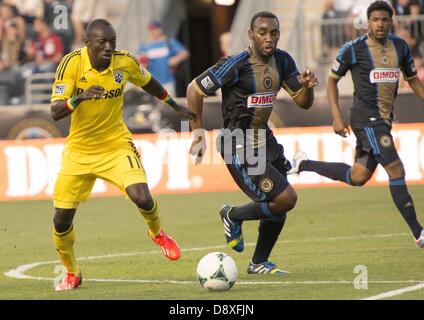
<point x="89" y="87"/>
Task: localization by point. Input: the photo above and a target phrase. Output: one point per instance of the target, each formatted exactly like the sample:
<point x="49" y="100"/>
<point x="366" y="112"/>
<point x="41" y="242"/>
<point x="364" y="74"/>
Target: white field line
<point x="394" y="293"/>
<point x="19" y="272"/>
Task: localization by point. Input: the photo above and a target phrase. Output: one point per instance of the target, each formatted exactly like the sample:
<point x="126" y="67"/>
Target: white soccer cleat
<point x="420" y="241"/>
<point x="297" y="159"/>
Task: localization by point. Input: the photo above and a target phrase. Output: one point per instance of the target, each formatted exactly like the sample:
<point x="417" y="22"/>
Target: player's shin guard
<point x="64" y="243"/>
<point x="152" y="219"/>
<point x="405" y="205"/>
<point x="332" y="170"/>
<point x="269" y="231"/>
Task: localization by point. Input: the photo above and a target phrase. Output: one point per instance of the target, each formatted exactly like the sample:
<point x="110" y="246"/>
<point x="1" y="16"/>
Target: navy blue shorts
<point x="267" y="185"/>
<point x="375" y="145"/>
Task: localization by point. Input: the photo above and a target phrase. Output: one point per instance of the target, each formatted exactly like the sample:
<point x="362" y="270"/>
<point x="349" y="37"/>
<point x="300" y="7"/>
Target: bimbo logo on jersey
<point x="261" y="100"/>
<point x="384" y="75"/>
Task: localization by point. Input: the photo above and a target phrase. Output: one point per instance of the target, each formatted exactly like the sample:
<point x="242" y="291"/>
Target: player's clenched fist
<point x="94" y="92"/>
<point x="308" y="79"/>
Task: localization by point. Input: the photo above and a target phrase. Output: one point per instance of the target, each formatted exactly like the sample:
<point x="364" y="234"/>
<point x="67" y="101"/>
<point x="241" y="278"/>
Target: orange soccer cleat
<point x="170" y="248"/>
<point x="70" y="282"/>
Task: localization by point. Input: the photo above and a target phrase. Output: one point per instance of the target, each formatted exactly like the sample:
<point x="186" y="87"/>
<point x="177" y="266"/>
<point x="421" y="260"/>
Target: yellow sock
<point x="152" y="219"/>
<point x="64" y="243"/>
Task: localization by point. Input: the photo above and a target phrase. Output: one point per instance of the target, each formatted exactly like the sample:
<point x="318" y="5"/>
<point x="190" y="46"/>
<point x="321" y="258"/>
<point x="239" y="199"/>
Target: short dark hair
<point x="262" y="14"/>
<point x="380" y="5"/>
<point x="96" y="24"/>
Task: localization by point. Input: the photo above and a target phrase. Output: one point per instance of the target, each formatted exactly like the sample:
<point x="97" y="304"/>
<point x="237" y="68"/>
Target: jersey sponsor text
<point x="384" y="75"/>
<point x="261" y="100"/>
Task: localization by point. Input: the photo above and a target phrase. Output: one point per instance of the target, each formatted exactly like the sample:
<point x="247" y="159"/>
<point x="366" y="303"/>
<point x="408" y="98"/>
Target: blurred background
<point x="189" y="36"/>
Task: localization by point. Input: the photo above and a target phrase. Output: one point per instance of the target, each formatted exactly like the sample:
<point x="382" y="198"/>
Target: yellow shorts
<point x="121" y="167"/>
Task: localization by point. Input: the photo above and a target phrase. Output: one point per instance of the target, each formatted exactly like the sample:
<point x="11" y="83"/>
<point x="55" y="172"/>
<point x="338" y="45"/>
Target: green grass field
<point x="329" y="233"/>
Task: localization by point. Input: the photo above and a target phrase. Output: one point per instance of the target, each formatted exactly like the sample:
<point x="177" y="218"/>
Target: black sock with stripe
<point x="332" y="170"/>
<point x="250" y="211"/>
<point x="405" y="205"/>
<point x="269" y="231"/>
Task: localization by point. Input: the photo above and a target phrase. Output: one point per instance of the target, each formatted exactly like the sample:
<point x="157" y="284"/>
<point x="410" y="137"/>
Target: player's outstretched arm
<point x="154" y="88"/>
<point x="195" y="103"/>
<point x="417" y="86"/>
<point x="62" y="108"/>
<point x="340" y="126"/>
<point x="308" y="81"/>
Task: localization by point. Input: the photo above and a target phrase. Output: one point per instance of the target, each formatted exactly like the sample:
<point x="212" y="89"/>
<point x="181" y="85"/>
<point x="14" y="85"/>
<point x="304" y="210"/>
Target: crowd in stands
<point x="33" y="41"/>
<point x="409" y="26"/>
<point x="355" y="12"/>
<point x="35" y="35"/>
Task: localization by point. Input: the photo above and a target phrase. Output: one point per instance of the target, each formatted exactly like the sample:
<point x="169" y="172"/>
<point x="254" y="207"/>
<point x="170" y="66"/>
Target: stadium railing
<point x="328" y="34"/>
<point x="38" y="88"/>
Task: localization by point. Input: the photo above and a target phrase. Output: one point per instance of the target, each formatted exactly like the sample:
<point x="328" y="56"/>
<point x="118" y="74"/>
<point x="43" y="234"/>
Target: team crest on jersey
<point x="268" y="83"/>
<point x="385" y="60"/>
<point x="266" y="185"/>
<point x="119" y="76"/>
<point x="385" y="141"/>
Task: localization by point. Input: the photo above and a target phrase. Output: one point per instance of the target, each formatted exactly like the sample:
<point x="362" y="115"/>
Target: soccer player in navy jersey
<point x="250" y="82"/>
<point x="376" y="61"/>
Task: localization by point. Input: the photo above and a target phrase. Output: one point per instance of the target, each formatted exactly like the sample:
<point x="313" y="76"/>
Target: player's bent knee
<point x="144" y="202"/>
<point x="140" y="195"/>
<point x="285" y="202"/>
<point x="63" y="219"/>
<point x="358" y="182"/>
<point x="395" y="170"/>
<point x="291" y="203"/>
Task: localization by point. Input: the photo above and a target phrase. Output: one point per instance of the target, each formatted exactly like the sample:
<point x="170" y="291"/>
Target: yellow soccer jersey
<point x="97" y="125"/>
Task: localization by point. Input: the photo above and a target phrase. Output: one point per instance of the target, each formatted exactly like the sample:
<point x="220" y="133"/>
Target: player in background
<point x="89" y="87"/>
<point x="375" y="61"/>
<point x="250" y="82"/>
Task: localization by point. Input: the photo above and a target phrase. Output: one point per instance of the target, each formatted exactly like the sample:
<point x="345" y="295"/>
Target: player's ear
<point x="86" y="39"/>
<point x="250" y="34"/>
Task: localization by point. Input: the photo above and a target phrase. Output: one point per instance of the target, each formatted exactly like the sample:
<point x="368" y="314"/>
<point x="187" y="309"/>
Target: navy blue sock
<point x="251" y="211"/>
<point x="332" y="170"/>
<point x="405" y="205"/>
<point x="269" y="231"/>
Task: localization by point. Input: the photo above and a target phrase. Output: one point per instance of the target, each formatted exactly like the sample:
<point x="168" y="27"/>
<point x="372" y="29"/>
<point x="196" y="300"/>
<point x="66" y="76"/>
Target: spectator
<point x="8" y="16"/>
<point x="29" y="9"/>
<point x="46" y="50"/>
<point x="10" y="77"/>
<point x="162" y="56"/>
<point x="408" y="7"/>
<point x="409" y="27"/>
<point x="11" y="47"/>
<point x="334" y="35"/>
<point x="83" y="11"/>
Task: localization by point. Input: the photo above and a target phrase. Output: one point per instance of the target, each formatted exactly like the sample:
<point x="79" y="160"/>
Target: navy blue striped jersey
<point x="375" y="70"/>
<point x="249" y="86"/>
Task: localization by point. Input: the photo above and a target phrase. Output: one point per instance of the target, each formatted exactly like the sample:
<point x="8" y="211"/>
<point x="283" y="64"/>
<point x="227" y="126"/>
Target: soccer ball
<point x="217" y="271"/>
